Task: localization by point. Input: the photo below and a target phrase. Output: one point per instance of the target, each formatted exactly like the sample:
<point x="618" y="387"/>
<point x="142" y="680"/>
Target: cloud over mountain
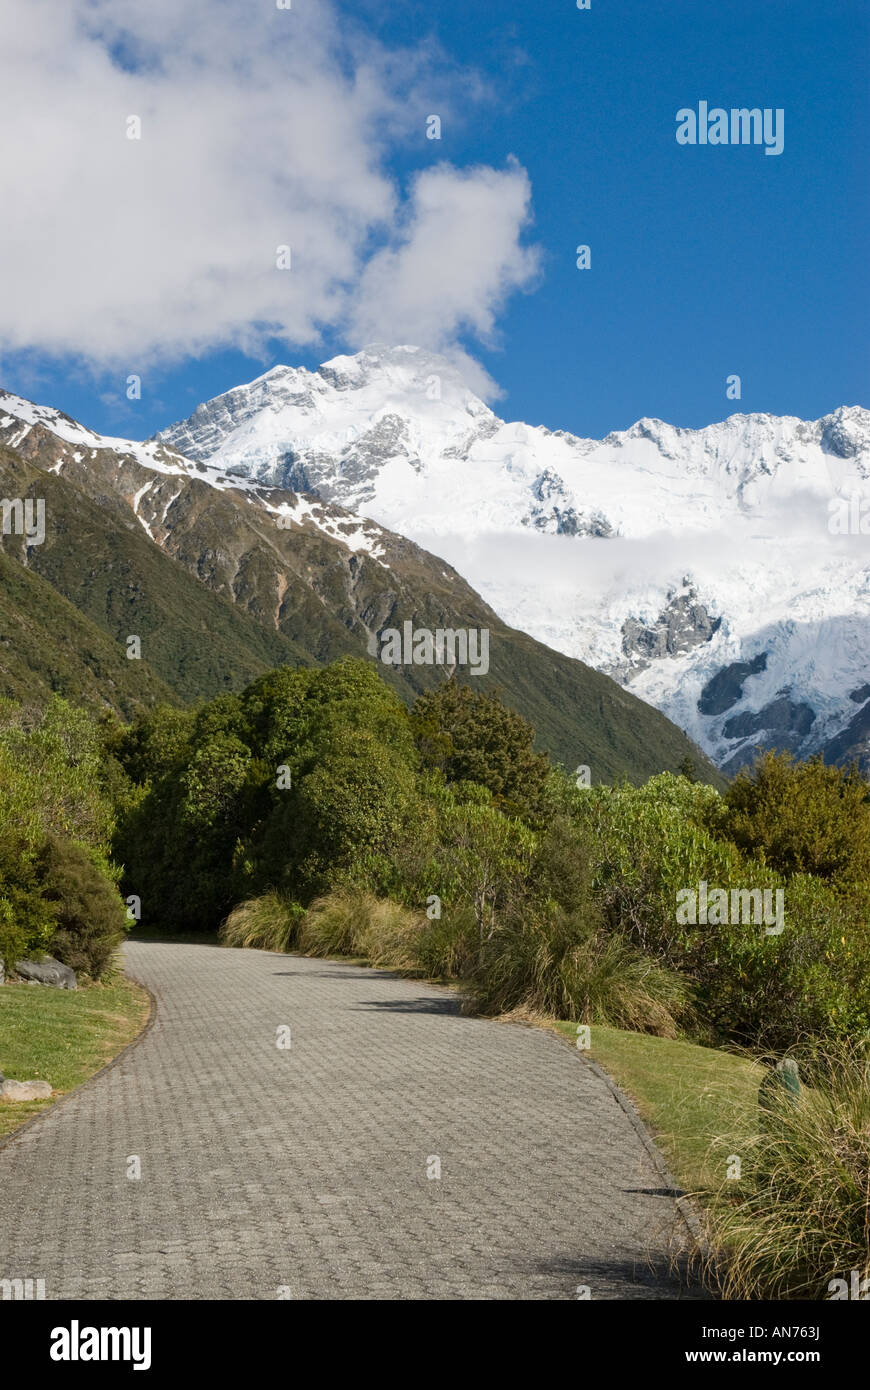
<point x="260" y="128"/>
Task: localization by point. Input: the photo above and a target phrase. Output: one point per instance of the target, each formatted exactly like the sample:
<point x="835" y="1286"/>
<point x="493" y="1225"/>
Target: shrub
<point x="333" y="924"/>
<point x="804" y="818"/>
<point x="390" y="935"/>
<point x="267" y="923"/>
<point x="52" y="775"/>
<point x="27" y="921"/>
<point x="90" y="920"/>
<point x="645" y="844"/>
<point x="813" y="979"/>
<point x="354" y="923"/>
<point x="448" y="946"/>
<point x="482" y="859"/>
<point x="799" y="1218"/>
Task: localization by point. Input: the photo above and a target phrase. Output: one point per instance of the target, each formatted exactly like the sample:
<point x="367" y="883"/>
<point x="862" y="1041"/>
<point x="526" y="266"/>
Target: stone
<point x="47" y="972"/>
<point x="25" y="1090"/>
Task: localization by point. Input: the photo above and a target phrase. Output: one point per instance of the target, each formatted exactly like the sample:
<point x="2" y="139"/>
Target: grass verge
<point x="700" y="1103"/>
<point x="63" y="1036"/>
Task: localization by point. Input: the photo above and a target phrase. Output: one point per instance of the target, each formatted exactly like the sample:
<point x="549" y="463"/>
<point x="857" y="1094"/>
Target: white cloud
<point x="260" y="128"/>
<point x="458" y="257"/>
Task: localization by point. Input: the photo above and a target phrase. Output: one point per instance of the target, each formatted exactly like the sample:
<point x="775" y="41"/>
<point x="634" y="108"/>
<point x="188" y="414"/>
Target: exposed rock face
<point x="852" y="744"/>
<point x="781" y="716"/>
<point x="782" y="723"/>
<point x="554" y="514"/>
<point x="47" y="972"/>
<point x="725" y="689"/>
<point x="683" y="624"/>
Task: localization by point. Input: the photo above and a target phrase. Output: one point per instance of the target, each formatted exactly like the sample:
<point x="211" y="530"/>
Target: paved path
<point x="305" y="1169"/>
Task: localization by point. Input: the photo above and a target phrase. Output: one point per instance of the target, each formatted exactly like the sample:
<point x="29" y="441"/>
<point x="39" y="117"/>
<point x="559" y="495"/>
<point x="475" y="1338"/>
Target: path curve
<point x="304" y="1169"/>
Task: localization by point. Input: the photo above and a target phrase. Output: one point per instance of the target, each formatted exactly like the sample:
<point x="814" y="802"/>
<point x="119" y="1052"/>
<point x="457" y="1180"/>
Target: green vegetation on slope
<point x="227" y="595"/>
<point x="196" y="642"/>
<point x="47" y="646"/>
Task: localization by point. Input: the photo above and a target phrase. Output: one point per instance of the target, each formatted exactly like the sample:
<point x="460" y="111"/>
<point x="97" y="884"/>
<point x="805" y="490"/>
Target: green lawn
<point x="697" y="1101"/>
<point x="63" y="1036"/>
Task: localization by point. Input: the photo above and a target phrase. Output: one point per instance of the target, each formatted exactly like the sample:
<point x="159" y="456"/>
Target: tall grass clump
<point x="799" y="1218"/>
<point x="267" y="923"/>
<point x="348" y="923"/>
<point x="564" y="965"/>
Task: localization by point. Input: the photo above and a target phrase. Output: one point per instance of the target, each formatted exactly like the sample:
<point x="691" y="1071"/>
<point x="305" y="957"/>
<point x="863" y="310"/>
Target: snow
<point x="566" y="538"/>
<point x="735" y="515"/>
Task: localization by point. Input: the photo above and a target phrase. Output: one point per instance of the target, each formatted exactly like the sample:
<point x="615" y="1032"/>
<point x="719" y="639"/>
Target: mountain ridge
<point x="661" y="555"/>
<point x="290" y="578"/>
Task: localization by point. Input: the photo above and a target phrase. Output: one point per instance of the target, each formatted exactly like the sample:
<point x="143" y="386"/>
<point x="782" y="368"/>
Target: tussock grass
<point x="267" y="923"/>
<point x="345" y="923"/>
<point x="800" y="1215"/>
<point x="565" y="967"/>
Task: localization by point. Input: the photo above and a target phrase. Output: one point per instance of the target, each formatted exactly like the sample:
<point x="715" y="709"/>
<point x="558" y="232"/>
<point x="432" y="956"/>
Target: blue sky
<point x="706" y="260"/>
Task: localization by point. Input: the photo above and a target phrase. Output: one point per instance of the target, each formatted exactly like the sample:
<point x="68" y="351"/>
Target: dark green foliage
<point x="469" y="736"/>
<point x="47" y="646"/>
<point x="26" y="920"/>
<point x="313" y="783"/>
<point x="89" y="916"/>
<point x="802" y="818"/>
<point x="306" y="778"/>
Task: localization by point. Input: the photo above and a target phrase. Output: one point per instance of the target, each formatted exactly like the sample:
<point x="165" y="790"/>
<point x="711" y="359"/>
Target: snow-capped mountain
<point x="722" y="574"/>
<point x="223" y="578"/>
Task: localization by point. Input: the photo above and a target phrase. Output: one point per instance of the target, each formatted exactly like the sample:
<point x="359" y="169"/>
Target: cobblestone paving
<point x="304" y="1169"/>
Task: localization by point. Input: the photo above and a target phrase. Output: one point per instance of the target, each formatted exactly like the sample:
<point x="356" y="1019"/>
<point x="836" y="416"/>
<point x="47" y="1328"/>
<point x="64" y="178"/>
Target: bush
<point x="333" y="925"/>
<point x="646" y="844"/>
<point x="347" y="817"/>
<point x="268" y="923"/>
<point x="90" y="920"/>
<point x="811" y="980"/>
<point x="470" y="736"/>
<point x="448" y="946"/>
<point x="804" y="818"/>
<point x="798" y="1219"/>
<point x="27" y="922"/>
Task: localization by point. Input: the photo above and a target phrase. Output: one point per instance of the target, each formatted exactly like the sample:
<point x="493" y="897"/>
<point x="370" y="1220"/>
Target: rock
<point x="25" y="1090"/>
<point x="725" y="688"/>
<point x="47" y="972"/>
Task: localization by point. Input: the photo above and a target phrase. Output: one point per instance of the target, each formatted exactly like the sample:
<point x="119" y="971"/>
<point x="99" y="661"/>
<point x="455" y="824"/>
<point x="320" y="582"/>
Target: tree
<point x="803" y="817"/>
<point x="471" y="736"/>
